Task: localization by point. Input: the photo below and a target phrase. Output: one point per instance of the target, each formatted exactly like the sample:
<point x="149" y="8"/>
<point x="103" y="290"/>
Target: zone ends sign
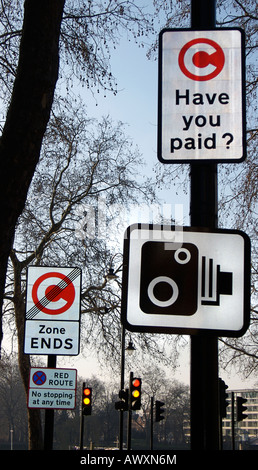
<point x="201" y="104"/>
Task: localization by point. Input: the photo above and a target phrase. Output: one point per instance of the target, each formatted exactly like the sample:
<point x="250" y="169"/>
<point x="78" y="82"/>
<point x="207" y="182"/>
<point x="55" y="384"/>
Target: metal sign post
<point x="49" y="414"/>
<point x="204" y="351"/>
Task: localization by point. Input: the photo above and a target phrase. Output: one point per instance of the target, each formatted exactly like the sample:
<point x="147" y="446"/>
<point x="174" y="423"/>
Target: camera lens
<point x="167" y="280"/>
<point x="182" y="256"/>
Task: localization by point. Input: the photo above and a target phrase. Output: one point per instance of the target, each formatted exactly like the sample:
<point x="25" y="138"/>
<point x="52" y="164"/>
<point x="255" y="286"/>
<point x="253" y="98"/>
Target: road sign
<point x="52" y="388"/>
<point x="186" y="280"/>
<point x="39" y="377"/>
<point x="52" y="322"/>
<point x="201" y="96"/>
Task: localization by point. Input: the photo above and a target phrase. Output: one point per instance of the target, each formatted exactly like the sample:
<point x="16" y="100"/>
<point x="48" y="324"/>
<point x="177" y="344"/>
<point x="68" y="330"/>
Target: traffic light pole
<point x="82" y="431"/>
<point x="233" y="420"/>
<point x="151" y="426"/>
<point x="121" y="413"/>
<point x="129" y="422"/>
<point x="204" y="349"/>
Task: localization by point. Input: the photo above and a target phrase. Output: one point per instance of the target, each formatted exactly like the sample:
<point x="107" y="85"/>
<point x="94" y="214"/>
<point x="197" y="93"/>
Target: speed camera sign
<point x="186" y="281"/>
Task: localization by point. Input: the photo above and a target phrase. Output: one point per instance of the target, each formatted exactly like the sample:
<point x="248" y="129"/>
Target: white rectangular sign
<point x="52" y="322"/>
<point x="52" y="388"/>
<point x="201" y="96"/>
<point x="186" y="280"/>
<point x="49" y="337"/>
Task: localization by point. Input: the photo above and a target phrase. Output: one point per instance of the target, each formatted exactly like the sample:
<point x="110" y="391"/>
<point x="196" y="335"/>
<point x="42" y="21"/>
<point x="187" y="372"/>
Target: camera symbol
<point x="169" y="279"/>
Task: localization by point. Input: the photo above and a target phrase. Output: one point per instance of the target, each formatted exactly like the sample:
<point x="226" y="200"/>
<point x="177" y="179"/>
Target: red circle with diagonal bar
<point x="202" y="59"/>
<point x="63" y="290"/>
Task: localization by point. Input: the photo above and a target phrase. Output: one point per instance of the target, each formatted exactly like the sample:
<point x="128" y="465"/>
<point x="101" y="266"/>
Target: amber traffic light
<point x="86" y="400"/>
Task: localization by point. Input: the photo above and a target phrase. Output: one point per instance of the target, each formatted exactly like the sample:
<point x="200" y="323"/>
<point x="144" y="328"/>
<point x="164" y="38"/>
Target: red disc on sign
<point x="63" y="290"/>
<point x="202" y="59"/>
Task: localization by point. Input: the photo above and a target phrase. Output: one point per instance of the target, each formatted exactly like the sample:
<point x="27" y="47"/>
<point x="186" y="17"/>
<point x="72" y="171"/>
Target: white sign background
<point x="195" y="115"/>
<point x="57" y="392"/>
<point x="34" y="274"/>
<point x="49" y="337"/>
<point x="229" y="249"/>
<point x="55" y="378"/>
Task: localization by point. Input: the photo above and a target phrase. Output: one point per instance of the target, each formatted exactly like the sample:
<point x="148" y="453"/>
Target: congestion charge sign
<point x="201" y="96"/>
<point x="52" y="322"/>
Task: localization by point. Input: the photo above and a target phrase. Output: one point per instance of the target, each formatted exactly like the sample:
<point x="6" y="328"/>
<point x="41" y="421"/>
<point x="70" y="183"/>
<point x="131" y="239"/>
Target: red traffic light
<point x="136" y="382"/>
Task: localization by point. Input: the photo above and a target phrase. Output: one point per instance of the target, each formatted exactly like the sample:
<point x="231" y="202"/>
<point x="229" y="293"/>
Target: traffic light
<point x="135" y="393"/>
<point x="241" y="408"/>
<point x="159" y="410"/>
<point x="86" y="400"/>
<point x="223" y="403"/>
<point x="123" y="403"/>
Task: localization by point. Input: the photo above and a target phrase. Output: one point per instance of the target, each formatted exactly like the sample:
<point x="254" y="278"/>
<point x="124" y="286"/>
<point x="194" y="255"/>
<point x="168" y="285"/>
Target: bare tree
<point x="38" y="42"/>
<point x="12" y="401"/>
<point x="238" y="187"/>
<point x="176" y="399"/>
<point x="28" y="112"/>
<point x="82" y="163"/>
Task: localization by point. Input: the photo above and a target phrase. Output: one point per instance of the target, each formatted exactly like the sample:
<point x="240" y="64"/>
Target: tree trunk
<point x="34" y="419"/>
<point x="27" y="116"/>
<point x="35" y="435"/>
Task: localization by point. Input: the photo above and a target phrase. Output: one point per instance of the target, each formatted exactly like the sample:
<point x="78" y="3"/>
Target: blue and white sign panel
<point x="52" y="388"/>
<point x="186" y="280"/>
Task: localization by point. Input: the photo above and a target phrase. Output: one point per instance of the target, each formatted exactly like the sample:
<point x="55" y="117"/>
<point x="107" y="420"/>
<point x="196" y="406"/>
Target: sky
<point x="136" y="105"/>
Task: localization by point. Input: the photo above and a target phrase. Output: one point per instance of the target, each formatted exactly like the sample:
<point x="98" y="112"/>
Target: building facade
<point x="245" y="433"/>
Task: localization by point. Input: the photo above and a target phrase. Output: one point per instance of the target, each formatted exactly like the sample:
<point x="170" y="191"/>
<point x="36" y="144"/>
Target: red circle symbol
<point x="202" y="59"/>
<point x="54" y="292"/>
